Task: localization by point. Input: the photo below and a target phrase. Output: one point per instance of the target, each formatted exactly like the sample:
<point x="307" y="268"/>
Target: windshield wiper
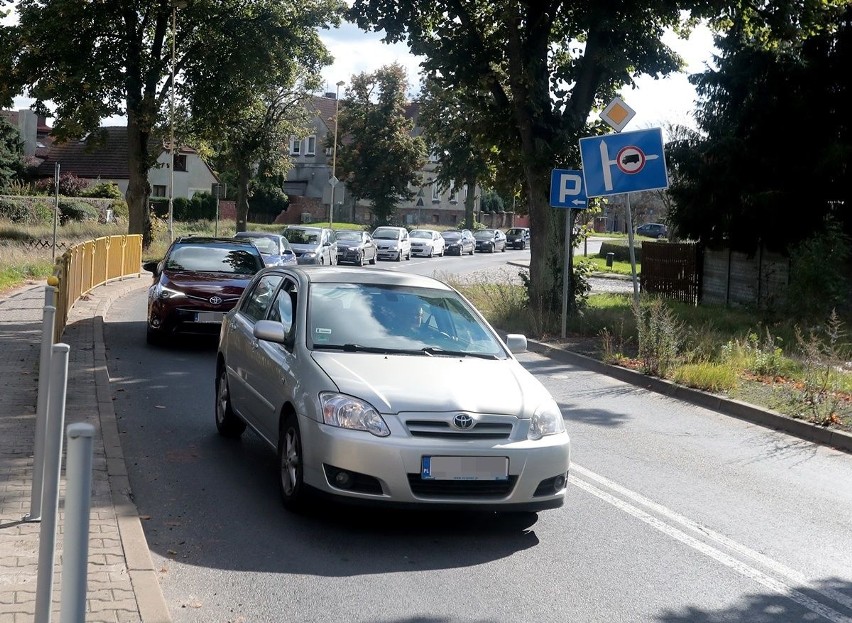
<point x="358" y="348"/>
<point x="432" y="350"/>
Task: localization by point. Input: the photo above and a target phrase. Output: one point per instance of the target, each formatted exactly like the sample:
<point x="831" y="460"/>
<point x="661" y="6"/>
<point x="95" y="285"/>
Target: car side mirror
<point x="151" y="266"/>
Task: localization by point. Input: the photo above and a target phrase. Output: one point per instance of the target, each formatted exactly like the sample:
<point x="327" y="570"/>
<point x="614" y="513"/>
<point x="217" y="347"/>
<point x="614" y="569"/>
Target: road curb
<point x="143" y="577"/>
<point x="839" y="440"/>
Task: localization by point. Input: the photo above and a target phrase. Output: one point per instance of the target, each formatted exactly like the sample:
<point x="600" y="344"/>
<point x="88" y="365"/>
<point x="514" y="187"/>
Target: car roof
<point x="354" y="275"/>
<point x="255" y="234"/>
<point x="204" y="240"/>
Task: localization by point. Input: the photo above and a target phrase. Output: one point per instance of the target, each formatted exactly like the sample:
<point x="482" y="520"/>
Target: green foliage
<point x="269" y="200"/>
<point x="707" y="376"/>
<point x="491" y="201"/>
<point x="620" y="250"/>
<point x="11" y="154"/>
<point x="823" y="353"/>
<point x="819" y="279"/>
<point x="71" y="210"/>
<point x="660" y="334"/>
<point x="26" y="211"/>
<point x="762" y="357"/>
<point x="773" y="71"/>
<point x="101" y="190"/>
<point x="381" y="158"/>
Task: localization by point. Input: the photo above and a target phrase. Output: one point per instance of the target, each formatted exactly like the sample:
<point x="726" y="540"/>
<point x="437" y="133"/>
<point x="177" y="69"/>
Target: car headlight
<point x="309" y="255"/>
<point x="163" y="292"/>
<point x="348" y="412"/>
<point x="547" y="420"/>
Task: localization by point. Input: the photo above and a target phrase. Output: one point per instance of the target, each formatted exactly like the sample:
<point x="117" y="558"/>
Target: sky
<point x="656" y="102"/>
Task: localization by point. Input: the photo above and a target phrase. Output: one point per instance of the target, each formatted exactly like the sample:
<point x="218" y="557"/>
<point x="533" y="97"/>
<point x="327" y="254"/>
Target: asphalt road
<point x="675" y="513"/>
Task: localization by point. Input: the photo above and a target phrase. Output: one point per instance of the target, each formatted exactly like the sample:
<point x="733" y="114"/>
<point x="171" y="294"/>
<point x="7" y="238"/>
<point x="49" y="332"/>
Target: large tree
<point x="545" y="65"/>
<point x="379" y="158"/>
<point x="92" y="60"/>
<point x="775" y="149"/>
<point x="455" y="129"/>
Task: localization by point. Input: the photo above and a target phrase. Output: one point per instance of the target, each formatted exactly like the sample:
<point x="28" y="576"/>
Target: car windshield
<point x="451" y="235"/>
<point x="301" y="236"/>
<point x="211" y="259"/>
<point x="388" y="319"/>
<point x="515" y="232"/>
<point x="265" y="245"/>
<point x="349" y="235"/>
<point x="386" y="234"/>
<point x="484" y="234"/>
<point x="421" y="233"/>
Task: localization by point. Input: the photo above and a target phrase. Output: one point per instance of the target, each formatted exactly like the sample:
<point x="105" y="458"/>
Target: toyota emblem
<point x="215" y="300"/>
<point x="462" y="421"/>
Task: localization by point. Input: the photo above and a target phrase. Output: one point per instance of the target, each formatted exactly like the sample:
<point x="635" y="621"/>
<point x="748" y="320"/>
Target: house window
<point x="180" y="162"/>
<point x="159" y="191"/>
<point x="311" y="146"/>
<point x="434" y="157"/>
<point x="436" y="219"/>
<point x="295" y="147"/>
<point x="436" y="197"/>
<point x="454" y="194"/>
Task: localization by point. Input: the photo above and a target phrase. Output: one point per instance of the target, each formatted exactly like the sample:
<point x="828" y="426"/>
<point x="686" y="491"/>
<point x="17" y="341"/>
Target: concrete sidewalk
<point x="122" y="584"/>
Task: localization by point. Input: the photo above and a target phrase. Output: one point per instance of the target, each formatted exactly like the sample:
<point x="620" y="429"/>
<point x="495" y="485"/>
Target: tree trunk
<point x="469" y="201"/>
<point x="138" y="188"/>
<point x="545" y="243"/>
<point x="243" y="179"/>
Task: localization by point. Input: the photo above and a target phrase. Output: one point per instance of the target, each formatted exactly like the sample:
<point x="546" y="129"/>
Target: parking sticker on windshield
<point x="322" y="335"/>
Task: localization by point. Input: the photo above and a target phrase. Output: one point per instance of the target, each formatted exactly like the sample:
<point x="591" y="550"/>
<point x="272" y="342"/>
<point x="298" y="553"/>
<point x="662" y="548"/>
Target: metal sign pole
<point x="566" y="275"/>
<point x="632" y="251"/>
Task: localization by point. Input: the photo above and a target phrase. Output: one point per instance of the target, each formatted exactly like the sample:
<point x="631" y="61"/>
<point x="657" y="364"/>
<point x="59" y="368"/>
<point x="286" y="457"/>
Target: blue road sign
<point x="566" y="189"/>
<point x="614" y="164"/>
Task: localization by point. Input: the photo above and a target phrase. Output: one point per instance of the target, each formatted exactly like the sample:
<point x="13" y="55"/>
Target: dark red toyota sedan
<point x="197" y="281"/>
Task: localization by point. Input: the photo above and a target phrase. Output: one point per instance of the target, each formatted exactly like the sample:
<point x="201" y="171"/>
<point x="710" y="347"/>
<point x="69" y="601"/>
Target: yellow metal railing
<point x="90" y="264"/>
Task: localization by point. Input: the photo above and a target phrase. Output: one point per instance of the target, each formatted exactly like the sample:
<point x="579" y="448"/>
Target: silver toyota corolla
<point x="385" y="387"/>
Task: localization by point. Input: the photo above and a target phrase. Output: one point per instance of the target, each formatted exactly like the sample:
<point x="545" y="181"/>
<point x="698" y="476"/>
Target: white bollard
<point x="52" y="471"/>
<point x="48" y="320"/>
<point x="75" y="544"/>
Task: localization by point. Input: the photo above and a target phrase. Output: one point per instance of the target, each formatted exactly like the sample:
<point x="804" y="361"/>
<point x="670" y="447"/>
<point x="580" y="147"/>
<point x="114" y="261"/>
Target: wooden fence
<point x="90" y="264"/>
<point x="672" y="270"/>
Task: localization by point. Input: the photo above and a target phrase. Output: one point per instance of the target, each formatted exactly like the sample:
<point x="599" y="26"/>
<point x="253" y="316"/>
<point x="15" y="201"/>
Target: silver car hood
<point x="400" y="383"/>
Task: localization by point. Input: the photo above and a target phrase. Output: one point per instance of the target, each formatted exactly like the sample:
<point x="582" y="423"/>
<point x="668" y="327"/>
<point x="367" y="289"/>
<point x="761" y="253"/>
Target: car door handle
<point x="255" y="344"/>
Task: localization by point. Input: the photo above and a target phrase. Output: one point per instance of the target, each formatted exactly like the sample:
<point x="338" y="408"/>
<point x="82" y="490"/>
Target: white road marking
<point x="740" y="567"/>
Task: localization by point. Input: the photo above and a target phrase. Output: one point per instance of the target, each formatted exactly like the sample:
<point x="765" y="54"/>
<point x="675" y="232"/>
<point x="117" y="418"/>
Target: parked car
<point x="345" y="374"/>
<point x="312" y="245"/>
<point x="393" y="243"/>
<point x="426" y="242"/>
<point x="490" y="240"/>
<point x="653" y="230"/>
<point x="274" y="248"/>
<point x="459" y="242"/>
<point x="355" y="247"/>
<point x="197" y="281"/>
<point x="518" y="237"/>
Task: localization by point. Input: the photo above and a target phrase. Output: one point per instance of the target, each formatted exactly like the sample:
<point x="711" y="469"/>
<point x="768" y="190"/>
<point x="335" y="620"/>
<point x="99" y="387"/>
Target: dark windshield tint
<point x="212" y="259"/>
<point x="301" y="236"/>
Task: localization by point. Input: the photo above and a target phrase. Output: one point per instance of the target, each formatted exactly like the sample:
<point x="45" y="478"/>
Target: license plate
<point x="464" y="468"/>
<point x="209" y="317"/>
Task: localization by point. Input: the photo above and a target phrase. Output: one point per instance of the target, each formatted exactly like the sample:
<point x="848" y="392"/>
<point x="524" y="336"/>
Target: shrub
<point x="70" y="210"/>
<point x="660" y="336"/>
<point x="620" y="250"/>
<point x="103" y="190"/>
<point x="69" y="185"/>
<point x="15" y="211"/>
<point x="119" y="208"/>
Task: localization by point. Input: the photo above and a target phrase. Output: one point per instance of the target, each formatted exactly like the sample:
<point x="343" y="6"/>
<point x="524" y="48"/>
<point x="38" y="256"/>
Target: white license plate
<point x="209" y="317"/>
<point x="464" y="468"/>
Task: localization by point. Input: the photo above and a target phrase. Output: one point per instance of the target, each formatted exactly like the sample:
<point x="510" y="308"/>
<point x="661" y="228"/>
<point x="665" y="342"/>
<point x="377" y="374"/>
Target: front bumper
<point x="387" y="470"/>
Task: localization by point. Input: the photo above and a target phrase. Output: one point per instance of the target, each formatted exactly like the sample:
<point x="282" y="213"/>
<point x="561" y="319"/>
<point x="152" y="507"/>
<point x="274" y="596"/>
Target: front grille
<point x="461" y="488"/>
<point x="443" y="430"/>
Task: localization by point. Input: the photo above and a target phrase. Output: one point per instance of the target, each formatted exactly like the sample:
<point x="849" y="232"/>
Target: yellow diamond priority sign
<point x="617" y="114"/>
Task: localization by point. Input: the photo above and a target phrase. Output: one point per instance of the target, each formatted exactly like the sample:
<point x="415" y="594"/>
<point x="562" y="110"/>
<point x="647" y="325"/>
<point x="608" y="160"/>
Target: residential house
<point x="108" y="161"/>
<point x="33" y="129"/>
<point x="309" y="189"/>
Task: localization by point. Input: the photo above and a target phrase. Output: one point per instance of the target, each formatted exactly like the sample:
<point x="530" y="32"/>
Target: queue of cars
<point x="200" y="278"/>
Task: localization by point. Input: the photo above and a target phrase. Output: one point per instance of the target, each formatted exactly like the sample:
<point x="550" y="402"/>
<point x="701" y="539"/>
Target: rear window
<point x="214" y="259"/>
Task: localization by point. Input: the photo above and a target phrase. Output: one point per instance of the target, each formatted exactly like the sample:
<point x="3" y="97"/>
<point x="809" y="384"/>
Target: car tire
<point x="227" y="422"/>
<point x="360" y="261"/>
<point x="290" y="469"/>
<point x="399" y="256"/>
<point x="153" y="337"/>
<point x="373" y="260"/>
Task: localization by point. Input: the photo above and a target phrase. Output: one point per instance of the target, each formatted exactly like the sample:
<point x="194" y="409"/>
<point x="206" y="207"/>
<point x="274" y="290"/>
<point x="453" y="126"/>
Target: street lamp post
<point x="334" y="179"/>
